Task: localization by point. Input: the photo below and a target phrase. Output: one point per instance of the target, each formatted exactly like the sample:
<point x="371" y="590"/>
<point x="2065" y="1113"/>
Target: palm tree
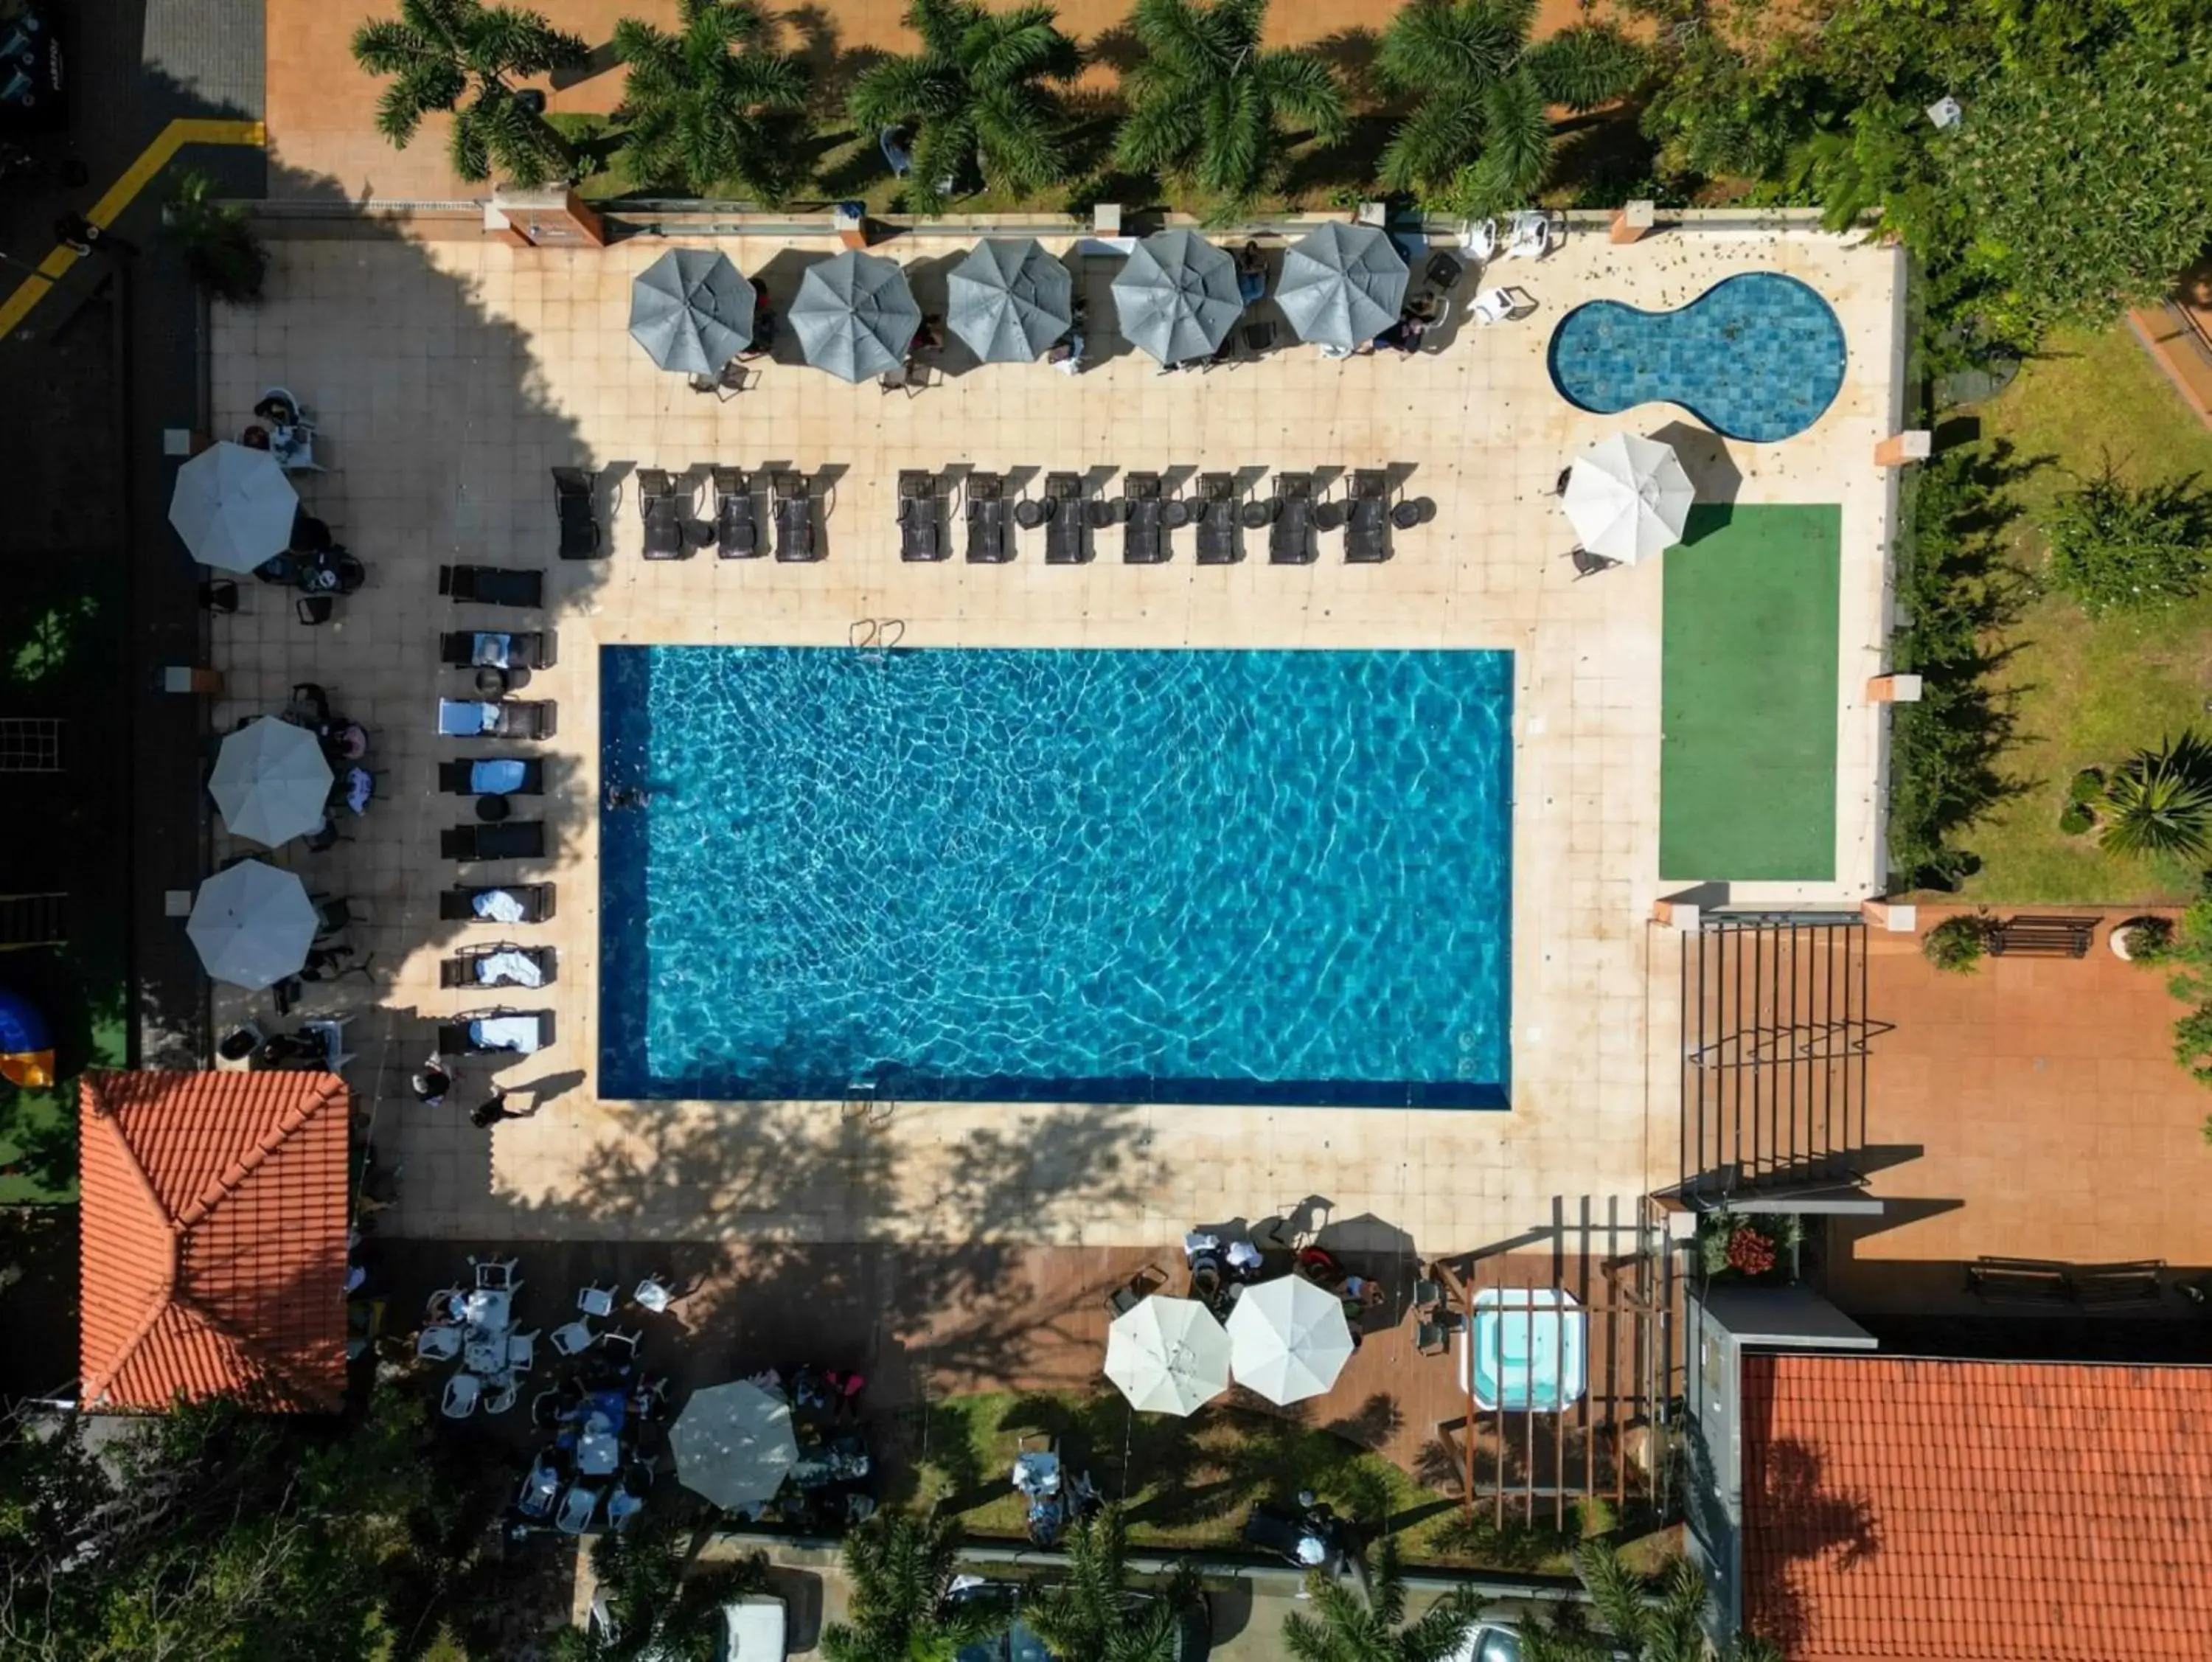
<point x="1668" y="1629"/>
<point x="2161" y="802"/>
<point x="708" y="106"/>
<point x="1208" y="103"/>
<point x="976" y="98"/>
<point x="658" y="1604"/>
<point x="220" y="250"/>
<point x="1092" y="1616"/>
<point x="1346" y="1628"/>
<point x="902" y="1610"/>
<point x="1479" y="124"/>
<point x="441" y="52"/>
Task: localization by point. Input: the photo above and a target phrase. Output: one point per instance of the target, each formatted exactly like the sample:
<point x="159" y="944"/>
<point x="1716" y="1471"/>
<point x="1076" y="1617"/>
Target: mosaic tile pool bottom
<point x="1227" y="877"/>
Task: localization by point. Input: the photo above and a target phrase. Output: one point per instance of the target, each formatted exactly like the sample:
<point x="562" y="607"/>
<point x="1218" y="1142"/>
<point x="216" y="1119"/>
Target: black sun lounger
<point x="495" y="1032"/>
<point x="1217" y="519"/>
<point x="1064" y="541"/>
<point x="662" y="509"/>
<point x="1367" y="533"/>
<point x="459" y="905"/>
<point x="460" y="778"/>
<point x="986" y="519"/>
<point x="736" y="528"/>
<point x="492" y="585"/>
<point x="504" y="839"/>
<point x="794" y="516"/>
<point x="1142" y="543"/>
<point x="458" y="649"/>
<point x="919" y="537"/>
<point x="1291" y="533"/>
<point x="488" y="967"/>
<point x="572" y="504"/>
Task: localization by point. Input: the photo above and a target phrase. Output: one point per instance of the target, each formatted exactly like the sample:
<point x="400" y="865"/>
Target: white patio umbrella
<point x="1167" y="1355"/>
<point x="1628" y="498"/>
<point x="734" y="1445"/>
<point x="233" y="507"/>
<point x="271" y="781"/>
<point x="1288" y="1339"/>
<point x="252" y="924"/>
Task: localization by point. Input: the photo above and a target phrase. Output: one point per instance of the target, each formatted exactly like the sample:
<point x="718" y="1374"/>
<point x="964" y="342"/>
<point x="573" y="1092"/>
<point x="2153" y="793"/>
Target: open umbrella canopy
<point x="1342" y="285"/>
<point x="1288" y="1339"/>
<point x="1628" y="498"/>
<point x="691" y="311"/>
<point x="252" y="925"/>
<point x="271" y="781"/>
<point x="854" y="315"/>
<point x="1167" y="1355"/>
<point x="1009" y="300"/>
<point x="734" y="1445"/>
<point x="233" y="507"/>
<point x="1176" y="298"/>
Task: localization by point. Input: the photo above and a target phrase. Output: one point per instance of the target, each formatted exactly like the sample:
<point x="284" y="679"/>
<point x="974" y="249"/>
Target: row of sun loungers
<point x="794" y="504"/>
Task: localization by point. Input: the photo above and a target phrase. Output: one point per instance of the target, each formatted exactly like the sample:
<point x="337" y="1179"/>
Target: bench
<point x="2043" y="937"/>
<point x="2047" y="1281"/>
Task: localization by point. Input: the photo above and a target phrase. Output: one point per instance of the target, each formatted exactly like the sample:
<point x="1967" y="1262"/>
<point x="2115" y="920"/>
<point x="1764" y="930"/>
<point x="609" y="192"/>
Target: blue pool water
<point x="1757" y="356"/>
<point x="1057" y="876"/>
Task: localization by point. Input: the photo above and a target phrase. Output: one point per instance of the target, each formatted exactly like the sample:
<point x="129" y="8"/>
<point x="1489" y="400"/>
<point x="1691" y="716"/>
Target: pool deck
<point x="448" y="375"/>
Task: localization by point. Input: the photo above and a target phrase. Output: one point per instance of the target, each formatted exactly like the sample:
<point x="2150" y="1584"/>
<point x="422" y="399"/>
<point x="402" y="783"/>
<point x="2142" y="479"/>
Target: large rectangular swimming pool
<point x="1217" y="877"/>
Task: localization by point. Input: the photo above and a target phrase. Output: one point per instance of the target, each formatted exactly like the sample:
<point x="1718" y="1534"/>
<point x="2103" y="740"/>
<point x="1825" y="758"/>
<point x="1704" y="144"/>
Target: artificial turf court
<point x="1747" y="695"/>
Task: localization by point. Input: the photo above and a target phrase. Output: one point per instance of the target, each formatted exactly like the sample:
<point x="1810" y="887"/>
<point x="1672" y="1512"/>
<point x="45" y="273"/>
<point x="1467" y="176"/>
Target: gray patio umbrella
<point x="691" y="311"/>
<point x="1342" y="285"/>
<point x="270" y="781"/>
<point x="733" y="1444"/>
<point x="1176" y="296"/>
<point x="233" y="507"/>
<point x="854" y="315"/>
<point x="252" y="925"/>
<point x="1010" y="299"/>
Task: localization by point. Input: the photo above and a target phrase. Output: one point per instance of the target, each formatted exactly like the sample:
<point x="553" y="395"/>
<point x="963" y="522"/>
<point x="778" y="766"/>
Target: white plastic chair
<point x="578" y="1503"/>
<point x="614" y="1336"/>
<point x="445" y="1304"/>
<point x="1532" y="235"/>
<point x="522" y="1351"/>
<point x="1503" y="305"/>
<point x="461" y="1393"/>
<point x="597" y="1300"/>
<point x="573" y="1338"/>
<point x="622" y="1506"/>
<point x="503" y="1394"/>
<point x="654" y="1294"/>
<point x="1479" y="239"/>
<point x="496" y="1274"/>
<point x="439" y="1343"/>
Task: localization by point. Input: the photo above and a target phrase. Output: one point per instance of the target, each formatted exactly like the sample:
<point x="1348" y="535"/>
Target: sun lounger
<point x="496" y="903"/>
<point x="492" y="585"/>
<point x="1291" y="530"/>
<point x="794" y="495"/>
<point x="493" y="776"/>
<point x="1367" y="533"/>
<point x="662" y="509"/>
<point x="986" y="519"/>
<point x="1142" y="541"/>
<point x="920" y="536"/>
<point x="1217" y="519"/>
<point x="500" y="965"/>
<point x="737" y="530"/>
<point x="475" y="649"/>
<point x="490" y="1032"/>
<point x="507" y="718"/>
<point x="504" y="839"/>
<point x="1064" y="542"/>
<point x="572" y="504"/>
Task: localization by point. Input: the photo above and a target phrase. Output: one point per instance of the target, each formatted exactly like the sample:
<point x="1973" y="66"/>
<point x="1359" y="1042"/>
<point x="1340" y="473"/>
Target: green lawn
<point x="2088" y="694"/>
<point x="1747" y="695"/>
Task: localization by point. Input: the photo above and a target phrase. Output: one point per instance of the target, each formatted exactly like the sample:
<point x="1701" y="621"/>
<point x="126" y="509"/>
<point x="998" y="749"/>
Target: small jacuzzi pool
<point x="1759" y="356"/>
<point x="1526" y="1349"/>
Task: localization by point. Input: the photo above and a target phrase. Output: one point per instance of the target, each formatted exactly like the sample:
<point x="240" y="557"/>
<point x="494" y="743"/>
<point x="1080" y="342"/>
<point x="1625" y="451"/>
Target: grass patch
<point x="38" y="1129"/>
<point x="2084" y="693"/>
<point x="1747" y="767"/>
<point x="1190" y="1482"/>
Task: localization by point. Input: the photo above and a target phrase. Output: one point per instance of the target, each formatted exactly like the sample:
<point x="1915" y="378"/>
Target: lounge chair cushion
<point x="521" y="1033"/>
<point x="459" y="718"/>
<point x="518" y="969"/>
<point x="497" y="776"/>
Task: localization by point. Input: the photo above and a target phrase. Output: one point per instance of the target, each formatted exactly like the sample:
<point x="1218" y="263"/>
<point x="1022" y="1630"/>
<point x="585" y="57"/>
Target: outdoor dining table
<point x="598" y="1443"/>
<point x="486" y="1352"/>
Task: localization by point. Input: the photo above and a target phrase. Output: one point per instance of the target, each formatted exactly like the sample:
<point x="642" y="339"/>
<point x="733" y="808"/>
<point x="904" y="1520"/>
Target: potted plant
<point x="2142" y="939"/>
<point x="1958" y="944"/>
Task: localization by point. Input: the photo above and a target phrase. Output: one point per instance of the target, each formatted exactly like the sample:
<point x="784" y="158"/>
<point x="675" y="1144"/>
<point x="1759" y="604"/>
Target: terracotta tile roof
<point x="213" y="1211"/>
<point x="1976" y="1512"/>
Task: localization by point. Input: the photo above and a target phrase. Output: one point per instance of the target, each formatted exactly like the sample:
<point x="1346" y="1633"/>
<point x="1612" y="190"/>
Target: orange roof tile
<point x="1976" y="1512"/>
<point x="213" y="1212"/>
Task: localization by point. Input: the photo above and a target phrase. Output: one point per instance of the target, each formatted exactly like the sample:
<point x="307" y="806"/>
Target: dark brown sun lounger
<point x="737" y="526"/>
<point x="572" y="504"/>
<point x="507" y="839"/>
<point x="459" y="905"/>
<point x="459" y="778"/>
<point x="492" y="585"/>
<point x="466" y="968"/>
<point x="458" y="649"/>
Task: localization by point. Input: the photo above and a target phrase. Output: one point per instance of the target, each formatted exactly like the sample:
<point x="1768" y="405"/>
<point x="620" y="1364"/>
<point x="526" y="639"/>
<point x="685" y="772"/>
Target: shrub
<point x="2074" y="818"/>
<point x="2115" y="547"/>
<point x="219" y="246"/>
<point x="1957" y="944"/>
<point x="2161" y="802"/>
<point x="2088" y="785"/>
<point x="2150" y="940"/>
<point x="2192" y="1044"/>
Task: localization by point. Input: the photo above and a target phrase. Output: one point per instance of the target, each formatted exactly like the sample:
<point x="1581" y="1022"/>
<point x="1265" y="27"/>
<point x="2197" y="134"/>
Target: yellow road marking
<point x="119" y="195"/>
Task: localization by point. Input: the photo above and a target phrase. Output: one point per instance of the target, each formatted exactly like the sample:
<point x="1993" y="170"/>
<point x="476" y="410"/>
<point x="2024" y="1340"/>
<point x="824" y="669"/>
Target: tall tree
<point x="1480" y="126"/>
<point x="712" y="105"/>
<point x="903" y="1609"/>
<point x="462" y="56"/>
<point x="979" y="97"/>
<point x="1346" y="1627"/>
<point x="1667" y="1627"/>
<point x="1209" y="104"/>
<point x="656" y="1612"/>
<point x="1093" y="1615"/>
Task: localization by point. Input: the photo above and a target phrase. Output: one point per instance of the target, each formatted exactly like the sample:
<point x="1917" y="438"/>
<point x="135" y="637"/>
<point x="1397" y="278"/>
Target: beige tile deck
<point x="449" y="376"/>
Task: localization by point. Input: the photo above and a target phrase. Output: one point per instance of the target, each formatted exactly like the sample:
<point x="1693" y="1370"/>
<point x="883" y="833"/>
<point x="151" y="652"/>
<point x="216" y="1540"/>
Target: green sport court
<point x="1747" y="695"/>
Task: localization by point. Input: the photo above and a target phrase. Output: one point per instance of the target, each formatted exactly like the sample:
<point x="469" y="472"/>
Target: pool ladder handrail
<point x="875" y="635"/>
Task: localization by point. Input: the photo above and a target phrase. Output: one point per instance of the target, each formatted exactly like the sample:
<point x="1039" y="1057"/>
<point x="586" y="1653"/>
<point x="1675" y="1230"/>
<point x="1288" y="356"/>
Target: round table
<point x="1174" y="515"/>
<point x="491" y="680"/>
<point x="493" y="809"/>
<point x="1030" y="515"/>
<point x="1254" y="514"/>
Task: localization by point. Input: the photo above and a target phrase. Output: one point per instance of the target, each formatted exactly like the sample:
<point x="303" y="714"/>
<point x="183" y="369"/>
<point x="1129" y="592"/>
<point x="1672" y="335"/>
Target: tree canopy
<point x="710" y="106"/>
<point x="461" y="56"/>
